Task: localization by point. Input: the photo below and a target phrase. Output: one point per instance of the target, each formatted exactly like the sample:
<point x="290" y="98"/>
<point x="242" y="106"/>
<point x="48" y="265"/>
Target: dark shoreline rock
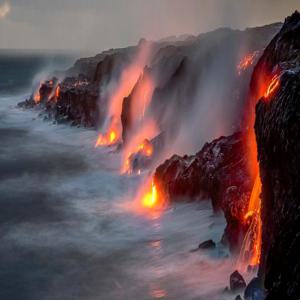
<point x="237" y="282"/>
<point x="209" y="244"/>
<point x="219" y="172"/>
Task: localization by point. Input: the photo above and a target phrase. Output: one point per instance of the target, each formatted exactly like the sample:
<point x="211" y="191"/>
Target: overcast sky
<point x="99" y="24"/>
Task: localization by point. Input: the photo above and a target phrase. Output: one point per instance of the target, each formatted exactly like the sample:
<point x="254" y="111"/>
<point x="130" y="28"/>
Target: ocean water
<point x="71" y="229"/>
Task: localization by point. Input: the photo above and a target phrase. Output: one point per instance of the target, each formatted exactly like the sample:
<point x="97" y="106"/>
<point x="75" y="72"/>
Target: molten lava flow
<point x="275" y="82"/>
<point x="141" y="98"/>
<point x="150" y="199"/>
<point x="109" y="139"/>
<point x="57" y="92"/>
<point x="125" y="85"/>
<point x="146" y="148"/>
<point x="246" y="62"/>
<point x="251" y="248"/>
<point x="37" y="95"/>
<point x="139" y="144"/>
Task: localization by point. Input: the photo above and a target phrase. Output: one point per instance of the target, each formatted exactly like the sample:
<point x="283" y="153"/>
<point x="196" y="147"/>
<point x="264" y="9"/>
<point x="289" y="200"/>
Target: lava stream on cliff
<point x="111" y="137"/>
<point x="275" y="82"/>
<point x="139" y="144"/>
<point x="37" y="96"/>
<point x="251" y="248"/>
<point x="128" y="79"/>
<point x="246" y="62"/>
<point x="144" y="150"/>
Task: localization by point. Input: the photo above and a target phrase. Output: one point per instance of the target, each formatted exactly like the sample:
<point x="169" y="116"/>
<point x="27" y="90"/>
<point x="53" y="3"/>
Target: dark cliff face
<point x="218" y="172"/>
<point x="177" y="66"/>
<point x="278" y="138"/>
<point x="205" y="63"/>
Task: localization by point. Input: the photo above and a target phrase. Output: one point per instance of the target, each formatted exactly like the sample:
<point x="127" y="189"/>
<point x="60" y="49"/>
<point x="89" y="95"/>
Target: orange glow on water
<point x="150" y="198"/>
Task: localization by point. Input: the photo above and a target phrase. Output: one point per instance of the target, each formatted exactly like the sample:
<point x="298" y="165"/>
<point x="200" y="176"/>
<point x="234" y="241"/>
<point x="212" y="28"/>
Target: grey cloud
<point x="99" y="24"/>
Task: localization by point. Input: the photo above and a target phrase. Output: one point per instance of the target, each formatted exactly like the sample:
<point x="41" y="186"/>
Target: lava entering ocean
<point x="139" y="144"/>
<point x="150" y="199"/>
<point x="148" y="196"/>
<point x="37" y="96"/>
<point x="126" y="83"/>
<point x="251" y="248"/>
<point x="112" y="135"/>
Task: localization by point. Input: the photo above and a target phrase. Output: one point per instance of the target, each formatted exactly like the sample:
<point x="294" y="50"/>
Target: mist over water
<point x="70" y="229"/>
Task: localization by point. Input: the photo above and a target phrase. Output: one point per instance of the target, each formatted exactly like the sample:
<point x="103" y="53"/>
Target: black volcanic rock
<point x="218" y="172"/>
<point x="254" y="290"/>
<point x="209" y="244"/>
<point x="237" y="282"/>
<point x="277" y="130"/>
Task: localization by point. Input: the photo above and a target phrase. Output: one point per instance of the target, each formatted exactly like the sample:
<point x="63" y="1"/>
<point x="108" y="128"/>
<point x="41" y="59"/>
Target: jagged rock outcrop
<point x="219" y="172"/>
<point x="277" y="130"/>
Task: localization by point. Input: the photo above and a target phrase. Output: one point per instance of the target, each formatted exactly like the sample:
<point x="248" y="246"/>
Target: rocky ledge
<point x="217" y="172"/>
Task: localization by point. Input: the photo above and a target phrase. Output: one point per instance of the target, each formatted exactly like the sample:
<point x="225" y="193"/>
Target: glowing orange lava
<point x="128" y="79"/>
<point x="150" y="199"/>
<point x="139" y="143"/>
<point x="57" y="92"/>
<point x="37" y="96"/>
<point x="275" y="82"/>
<point x="246" y="62"/>
<point x="109" y="139"/>
<point x="252" y="242"/>
<point x="146" y="148"/>
<point x="251" y="248"/>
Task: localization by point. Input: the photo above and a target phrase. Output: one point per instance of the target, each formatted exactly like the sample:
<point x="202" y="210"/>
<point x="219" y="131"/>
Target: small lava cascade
<point x="53" y="97"/>
<point x="144" y="151"/>
<point x="128" y="79"/>
<point x="112" y="135"/>
<point x="251" y="247"/>
<point x="143" y="125"/>
<point x="247" y="61"/>
<point x="57" y="92"/>
<point x="36" y="95"/>
<point x="139" y="144"/>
